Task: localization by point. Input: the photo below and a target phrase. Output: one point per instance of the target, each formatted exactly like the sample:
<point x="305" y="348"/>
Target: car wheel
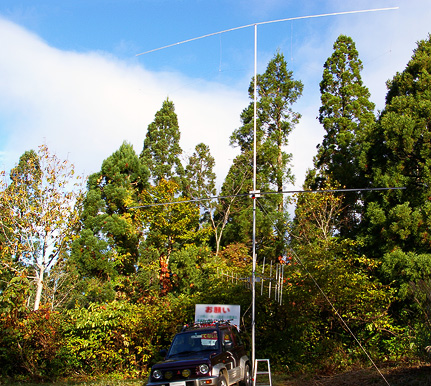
<point x="247" y="377"/>
<point x="222" y="381"/>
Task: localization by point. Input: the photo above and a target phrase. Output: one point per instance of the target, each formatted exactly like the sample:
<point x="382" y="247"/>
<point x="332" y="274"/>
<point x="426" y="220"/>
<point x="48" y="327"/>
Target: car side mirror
<point x="163" y="352"/>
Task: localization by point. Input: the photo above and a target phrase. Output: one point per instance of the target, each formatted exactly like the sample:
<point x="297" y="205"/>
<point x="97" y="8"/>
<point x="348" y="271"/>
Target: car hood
<point x="188" y="360"/>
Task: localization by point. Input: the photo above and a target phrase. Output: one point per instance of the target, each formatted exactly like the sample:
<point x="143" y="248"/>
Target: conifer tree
<point x="397" y="225"/>
<point x="235" y="211"/>
<point x="200" y="182"/>
<point x="346" y="115"/>
<point x="200" y="177"/>
<point x="108" y="244"/>
<point x="162" y="149"/>
<point x="276" y="91"/>
<point x="399" y="155"/>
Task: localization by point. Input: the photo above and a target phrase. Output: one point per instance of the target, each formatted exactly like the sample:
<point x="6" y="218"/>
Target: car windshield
<point x="194" y="341"/>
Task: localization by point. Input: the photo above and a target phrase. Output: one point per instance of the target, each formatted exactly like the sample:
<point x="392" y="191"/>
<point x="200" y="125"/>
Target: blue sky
<point x="70" y="77"/>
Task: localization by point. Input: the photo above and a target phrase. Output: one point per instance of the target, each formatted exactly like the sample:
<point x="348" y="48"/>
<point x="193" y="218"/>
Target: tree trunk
<point x="39" y="288"/>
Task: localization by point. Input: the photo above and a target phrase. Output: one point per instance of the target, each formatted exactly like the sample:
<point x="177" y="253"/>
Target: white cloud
<point x="84" y="105"/>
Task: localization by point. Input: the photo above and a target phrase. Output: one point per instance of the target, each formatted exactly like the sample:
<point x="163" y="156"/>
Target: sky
<point x="71" y="76"/>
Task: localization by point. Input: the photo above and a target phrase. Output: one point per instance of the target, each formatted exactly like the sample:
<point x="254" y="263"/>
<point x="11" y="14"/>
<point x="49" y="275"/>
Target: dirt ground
<point x="400" y="376"/>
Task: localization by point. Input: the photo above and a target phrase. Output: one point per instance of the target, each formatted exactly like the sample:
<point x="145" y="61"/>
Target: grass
<point x="105" y="381"/>
<point x="418" y="375"/>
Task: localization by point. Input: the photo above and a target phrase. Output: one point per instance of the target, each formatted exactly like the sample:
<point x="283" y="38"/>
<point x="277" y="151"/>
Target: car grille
<point x="177" y="376"/>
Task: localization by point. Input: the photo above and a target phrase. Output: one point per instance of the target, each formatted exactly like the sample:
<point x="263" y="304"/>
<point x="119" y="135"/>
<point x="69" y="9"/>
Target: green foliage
<point x="306" y="330"/>
<point x="346" y="115"/>
<point x="190" y="269"/>
<point x="409" y="274"/>
<point x="200" y="178"/>
<point x="199" y="182"/>
<point x="238" y="211"/>
<point x="119" y="337"/>
<point x="99" y="338"/>
<point x="162" y="149"/>
<point x="399" y="155"/>
<point x="406" y="268"/>
<point x="345" y="112"/>
<point x="107" y="247"/>
<point x="170" y="227"/>
<point x="396" y="228"/>
<point x="276" y="92"/>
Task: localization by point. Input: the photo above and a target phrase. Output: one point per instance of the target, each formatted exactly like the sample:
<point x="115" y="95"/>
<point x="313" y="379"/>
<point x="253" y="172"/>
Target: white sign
<point x="215" y="312"/>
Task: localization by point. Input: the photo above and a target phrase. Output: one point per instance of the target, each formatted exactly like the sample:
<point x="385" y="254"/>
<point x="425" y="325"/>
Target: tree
<point x="200" y="179"/>
<point x="396" y="229"/>
<point x="170" y="226"/>
<point x="191" y="269"/>
<point x="399" y="155"/>
<point x="235" y="184"/>
<point x="346" y="115"/>
<point x="316" y="217"/>
<point x="200" y="184"/>
<point x="162" y="146"/>
<point x="39" y="212"/>
<point x="276" y="92"/>
<point x="236" y="208"/>
<point x="108" y="245"/>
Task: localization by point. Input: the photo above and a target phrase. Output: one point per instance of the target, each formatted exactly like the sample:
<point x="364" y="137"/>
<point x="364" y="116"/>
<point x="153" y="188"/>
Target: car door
<point x="232" y="356"/>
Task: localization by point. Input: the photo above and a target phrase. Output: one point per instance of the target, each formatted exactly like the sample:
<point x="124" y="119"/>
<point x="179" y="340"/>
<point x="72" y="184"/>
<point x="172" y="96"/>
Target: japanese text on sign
<point x="217" y="310"/>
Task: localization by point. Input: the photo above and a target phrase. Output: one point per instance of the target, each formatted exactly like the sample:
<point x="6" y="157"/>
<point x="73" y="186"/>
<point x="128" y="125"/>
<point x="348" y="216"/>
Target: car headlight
<point x="157" y="374"/>
<point x="169" y="374"/>
<point x="186" y="373"/>
<point x="204" y="369"/>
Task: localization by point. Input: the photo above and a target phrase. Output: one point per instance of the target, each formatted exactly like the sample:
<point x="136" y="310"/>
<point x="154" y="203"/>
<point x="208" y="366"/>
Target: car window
<point x="226" y="337"/>
<point x="194" y="341"/>
<point x="237" y="337"/>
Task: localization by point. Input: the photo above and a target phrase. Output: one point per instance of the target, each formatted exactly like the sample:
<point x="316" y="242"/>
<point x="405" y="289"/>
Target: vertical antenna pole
<point x="253" y="275"/>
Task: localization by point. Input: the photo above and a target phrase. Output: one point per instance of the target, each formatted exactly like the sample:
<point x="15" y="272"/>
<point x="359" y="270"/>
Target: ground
<point x="419" y="375"/>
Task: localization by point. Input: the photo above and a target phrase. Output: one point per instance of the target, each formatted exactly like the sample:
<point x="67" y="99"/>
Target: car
<point x="204" y="354"/>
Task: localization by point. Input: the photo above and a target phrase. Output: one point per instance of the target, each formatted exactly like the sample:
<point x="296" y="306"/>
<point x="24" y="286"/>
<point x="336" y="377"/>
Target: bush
<point x="118" y="337"/>
<point x="29" y="341"/>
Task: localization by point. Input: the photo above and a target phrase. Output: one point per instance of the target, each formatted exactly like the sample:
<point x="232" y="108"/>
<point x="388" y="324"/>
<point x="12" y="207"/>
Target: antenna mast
<point x="253" y="275"/>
